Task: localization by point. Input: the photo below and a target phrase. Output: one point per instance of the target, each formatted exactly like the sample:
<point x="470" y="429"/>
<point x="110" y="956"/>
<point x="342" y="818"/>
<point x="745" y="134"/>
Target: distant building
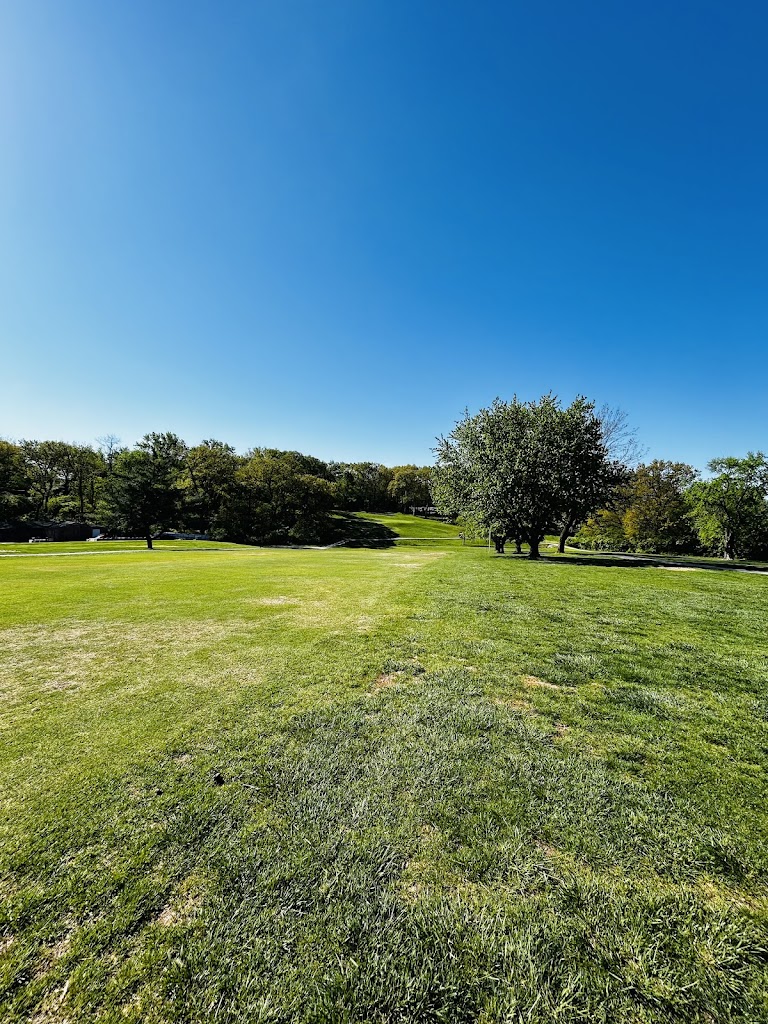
<point x="19" y="532"/>
<point x="71" y="531"/>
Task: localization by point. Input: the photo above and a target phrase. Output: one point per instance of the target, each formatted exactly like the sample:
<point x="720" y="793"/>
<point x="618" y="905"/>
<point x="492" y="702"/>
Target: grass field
<point x="401" y="784"/>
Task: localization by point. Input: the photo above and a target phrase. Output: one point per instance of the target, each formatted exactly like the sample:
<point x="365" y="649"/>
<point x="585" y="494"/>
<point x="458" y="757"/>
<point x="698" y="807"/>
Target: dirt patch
<point x="549" y="851"/>
<point x="515" y="705"/>
<point x="385" y="680"/>
<point x="680" y="568"/>
<point x="535" y="681"/>
<point x="178" y="913"/>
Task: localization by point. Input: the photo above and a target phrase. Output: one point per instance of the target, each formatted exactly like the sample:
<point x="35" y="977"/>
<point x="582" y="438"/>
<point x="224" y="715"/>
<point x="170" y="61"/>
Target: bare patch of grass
<point x="385" y="680"/>
<point x="532" y="681"/>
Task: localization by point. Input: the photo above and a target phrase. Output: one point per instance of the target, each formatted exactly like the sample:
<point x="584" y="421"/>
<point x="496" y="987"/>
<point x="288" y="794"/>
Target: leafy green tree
<point x="280" y="499"/>
<point x="46" y="466"/>
<point x="81" y="469"/>
<point x="410" y="486"/>
<point x="730" y="509"/>
<point x="604" y="531"/>
<point x="211" y="484"/>
<point x="518" y="468"/>
<point x="657" y="516"/>
<point x="144" y="487"/>
<point x="362" y="486"/>
<point x="14" y="482"/>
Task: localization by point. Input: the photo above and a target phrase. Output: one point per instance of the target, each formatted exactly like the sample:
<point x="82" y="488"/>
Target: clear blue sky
<point x="332" y="226"/>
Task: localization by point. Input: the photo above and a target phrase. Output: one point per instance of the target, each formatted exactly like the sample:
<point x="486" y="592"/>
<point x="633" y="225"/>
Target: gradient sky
<point x="333" y="226"/>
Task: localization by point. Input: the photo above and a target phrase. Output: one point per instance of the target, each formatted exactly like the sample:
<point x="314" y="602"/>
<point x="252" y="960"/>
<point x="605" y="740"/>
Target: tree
<point x="730" y="510"/>
<point x="410" y="486"/>
<point x="281" y="496"/>
<point x="211" y="484"/>
<point x="14" y="482"/>
<point x="517" y="468"/>
<point x="589" y="477"/>
<point x="657" y="517"/>
<point x="144" y="492"/>
<point x="618" y="437"/>
<point x="45" y="464"/>
<point x="361" y="486"/>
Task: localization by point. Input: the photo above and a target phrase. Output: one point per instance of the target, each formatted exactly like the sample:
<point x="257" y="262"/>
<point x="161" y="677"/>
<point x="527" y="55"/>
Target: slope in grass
<point x="415" y="527"/>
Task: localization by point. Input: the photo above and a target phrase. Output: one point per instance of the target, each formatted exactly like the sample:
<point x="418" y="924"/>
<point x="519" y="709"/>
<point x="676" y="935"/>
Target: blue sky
<point x="334" y="226"/>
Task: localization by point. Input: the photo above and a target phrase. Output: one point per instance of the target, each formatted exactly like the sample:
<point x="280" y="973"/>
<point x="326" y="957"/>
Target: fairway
<point x="390" y="784"/>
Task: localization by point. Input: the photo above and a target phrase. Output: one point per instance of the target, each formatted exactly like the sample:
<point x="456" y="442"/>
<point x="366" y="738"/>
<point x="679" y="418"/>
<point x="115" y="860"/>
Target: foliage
<point x="649" y="512"/>
<point x="210" y="486"/>
<point x="657" y="517"/>
<point x="731" y="509"/>
<point x="281" y="497"/>
<point x="518" y="468"/>
<point x="144" y="488"/>
<point x="410" y="487"/>
<point x="15" y="483"/>
<point x="361" y="486"/>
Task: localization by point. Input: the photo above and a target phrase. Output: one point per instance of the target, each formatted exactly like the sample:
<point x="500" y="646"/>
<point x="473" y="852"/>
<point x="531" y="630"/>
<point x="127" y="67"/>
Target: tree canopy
<point x="520" y="468"/>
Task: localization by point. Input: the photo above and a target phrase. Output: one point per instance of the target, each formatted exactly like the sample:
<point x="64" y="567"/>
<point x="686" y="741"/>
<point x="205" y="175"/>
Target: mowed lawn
<point x="417" y="783"/>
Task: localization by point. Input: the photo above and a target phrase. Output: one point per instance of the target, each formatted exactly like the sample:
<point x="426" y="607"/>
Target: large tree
<point x="657" y="516"/>
<point x="144" y="491"/>
<point x="211" y="484"/>
<point x="731" y="508"/>
<point x="518" y="468"/>
<point x="46" y="465"/>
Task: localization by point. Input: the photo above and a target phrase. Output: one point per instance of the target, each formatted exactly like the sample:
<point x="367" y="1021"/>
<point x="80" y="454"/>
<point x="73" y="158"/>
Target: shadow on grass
<point x="361" y="533"/>
<point x="640" y="562"/>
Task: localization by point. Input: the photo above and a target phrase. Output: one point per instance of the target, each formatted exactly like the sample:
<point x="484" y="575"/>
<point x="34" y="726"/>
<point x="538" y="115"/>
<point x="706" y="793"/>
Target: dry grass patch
<point x="385" y="680"/>
<point x="535" y="681"/>
<point x="513" y="704"/>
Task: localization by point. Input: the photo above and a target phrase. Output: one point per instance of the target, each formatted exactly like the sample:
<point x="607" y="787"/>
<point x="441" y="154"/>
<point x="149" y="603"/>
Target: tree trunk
<point x="729" y="548"/>
<point x="534" y="539"/>
<point x="564" y="535"/>
<point x="519" y="544"/>
<point x="149" y="541"/>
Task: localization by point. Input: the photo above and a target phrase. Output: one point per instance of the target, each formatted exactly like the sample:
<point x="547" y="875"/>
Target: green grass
<point x="96" y="547"/>
<point x="454" y="787"/>
<point x="412" y="527"/>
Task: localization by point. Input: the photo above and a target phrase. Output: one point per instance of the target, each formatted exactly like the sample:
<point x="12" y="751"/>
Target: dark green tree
<point x="210" y="485"/>
<point x="144" y="487"/>
<point x="14" y="482"/>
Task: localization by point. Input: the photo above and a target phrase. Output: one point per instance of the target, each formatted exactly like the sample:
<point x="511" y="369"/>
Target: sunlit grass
<point x="409" y="784"/>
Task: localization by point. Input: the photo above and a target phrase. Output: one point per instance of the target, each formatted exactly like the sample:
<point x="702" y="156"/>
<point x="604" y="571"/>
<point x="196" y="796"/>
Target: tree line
<point x="521" y="470"/>
<point x="264" y="496"/>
